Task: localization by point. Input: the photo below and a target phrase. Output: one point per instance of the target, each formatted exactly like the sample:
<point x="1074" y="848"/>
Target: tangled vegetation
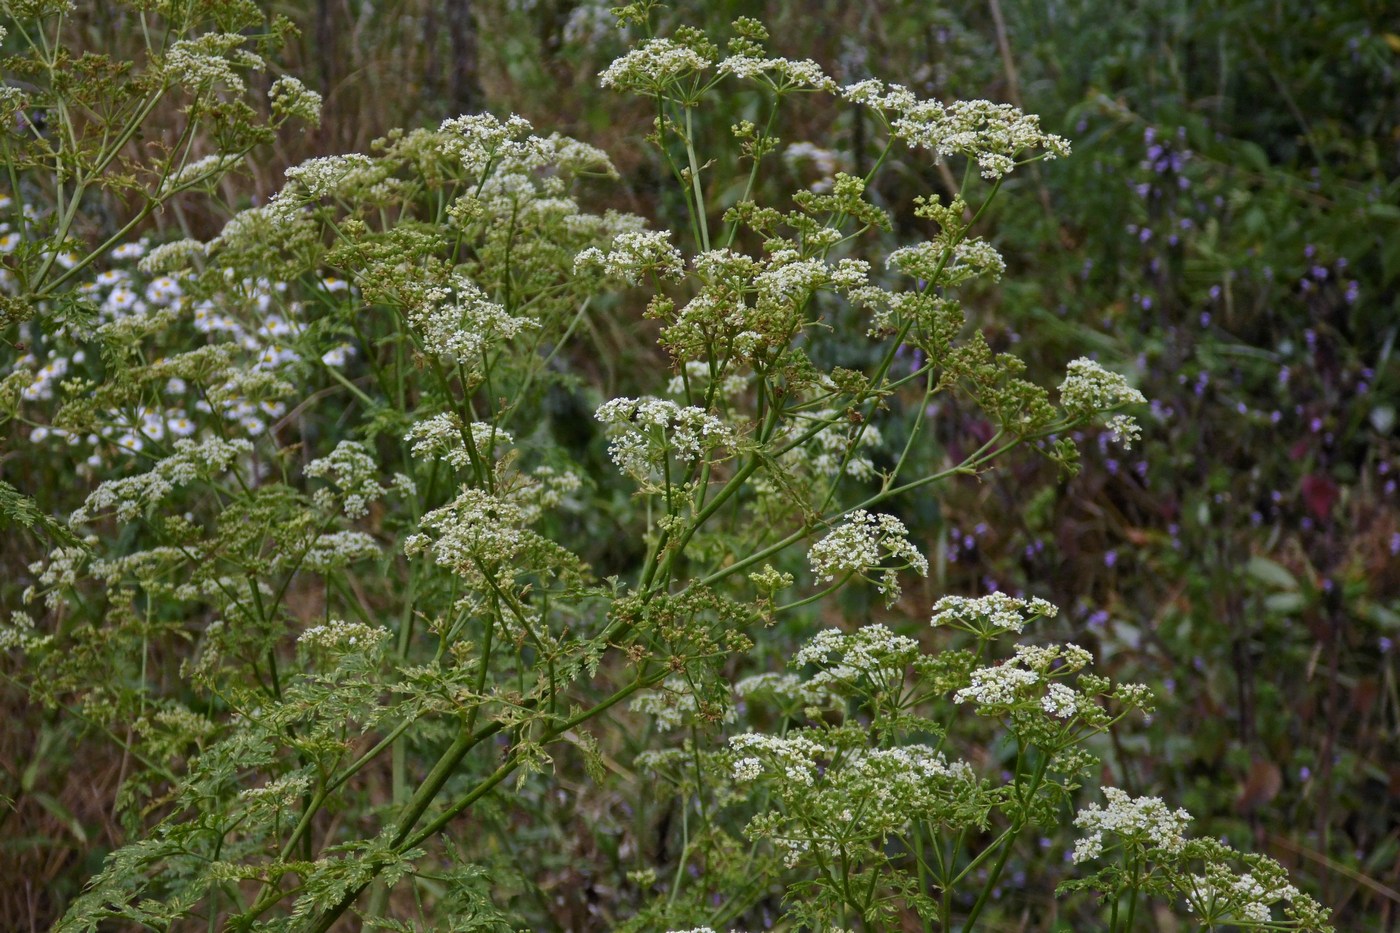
<point x="399" y="579"/>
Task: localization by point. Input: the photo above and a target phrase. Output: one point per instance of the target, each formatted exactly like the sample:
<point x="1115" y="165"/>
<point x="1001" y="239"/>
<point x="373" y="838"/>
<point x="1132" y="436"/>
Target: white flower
<point x="645" y="431"/>
<point x="129" y="496"/>
<point x="1060" y="701"/>
<point x="995" y="688"/>
<point x="865" y="543"/>
<point x="352" y="473"/>
<point x="209" y="60"/>
<point x="322" y="176"/>
<point x="291" y="98"/>
<point x="652" y="66"/>
<point x="457" y="320"/>
<point x="482" y="141"/>
<point x="441" y="437"/>
<point x="1146" y="820"/>
<point x="475" y="528"/>
<point x="987" y="615"/>
<point x="781" y="74"/>
<point x="338" y="355"/>
<point x="338" y="548"/>
<point x="635" y="253"/>
<point x="992" y="134"/>
<point x="1089" y="389"/>
<point x="787" y="688"/>
<point x="793" y="757"/>
<point x="339" y="635"/>
<point x="871" y="653"/>
<point x="61" y="572"/>
<point x="747" y="769"/>
<point x="1125" y="430"/>
<point x="954" y="263"/>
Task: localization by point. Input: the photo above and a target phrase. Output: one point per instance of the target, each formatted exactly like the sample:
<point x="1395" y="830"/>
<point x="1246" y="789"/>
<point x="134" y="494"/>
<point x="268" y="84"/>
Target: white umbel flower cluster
<point x="1143" y="820"/>
<point x="848" y="798"/>
<point x="991" y="615"/>
<point x="1089" y="389"/>
<point x="457" y="321"/>
<point x="1246" y="895"/>
<point x="322" y="176"/>
<point x="59" y="573"/>
<point x="131" y="495"/>
<point x="785" y="688"/>
<point x="339" y="635"/>
<point x="645" y="431"/>
<point x="650" y="68"/>
<point x="871" y="654"/>
<point x="211" y="60"/>
<point x="633" y="255"/>
<point x="992" y="134"/>
<point x="353" y="477"/>
<point x="336" y="549"/>
<point x="949" y="264"/>
<point x="290" y="98"/>
<point x="794" y="757"/>
<point x="780" y="74"/>
<point x="475" y="529"/>
<point x="441" y="437"/>
<point x="864" y="544"/>
<point x="480" y="141"/>
<point x="996" y="688"/>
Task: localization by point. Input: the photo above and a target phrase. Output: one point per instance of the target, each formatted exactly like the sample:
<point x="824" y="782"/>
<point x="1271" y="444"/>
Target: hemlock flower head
<point x="457" y="321"/>
<point x="871" y="655"/>
<point x="786" y="688"/>
<point x="781" y="74"/>
<point x="353" y="475"/>
<point x="996" y="688"/>
<point x="1145" y="821"/>
<point x="322" y="176"/>
<point x="131" y="495"/>
<point x="1060" y="701"/>
<point x="290" y="98"/>
<point x="988" y="615"/>
<point x="992" y="134"/>
<point x="949" y="264"/>
<point x="794" y="756"/>
<point x="633" y="255"/>
<point x="1125" y="430"/>
<point x="442" y="438"/>
<point x="865" y="543"/>
<point x="480" y="141"/>
<point x="337" y="549"/>
<point x="652" y="67"/>
<point x="210" y="60"/>
<point x="1089" y="389"/>
<point x="645" y="431"/>
<point x="473" y="531"/>
<point x="339" y="635"/>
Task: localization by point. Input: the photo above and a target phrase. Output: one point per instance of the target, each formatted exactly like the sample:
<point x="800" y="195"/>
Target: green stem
<point x="698" y="191"/>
